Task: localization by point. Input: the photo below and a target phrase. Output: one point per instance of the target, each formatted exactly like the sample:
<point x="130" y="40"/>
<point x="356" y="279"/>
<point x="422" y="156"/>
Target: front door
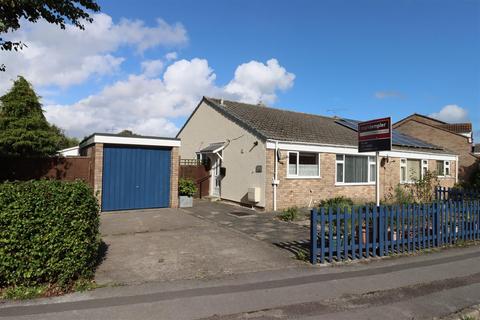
<point x="216" y="177"/>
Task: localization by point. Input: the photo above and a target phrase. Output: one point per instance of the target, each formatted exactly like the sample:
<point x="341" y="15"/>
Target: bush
<point x="289" y="214"/>
<point x="187" y="187"/>
<point x="400" y="195"/>
<point x="48" y="232"/>
<point x="337" y="202"/>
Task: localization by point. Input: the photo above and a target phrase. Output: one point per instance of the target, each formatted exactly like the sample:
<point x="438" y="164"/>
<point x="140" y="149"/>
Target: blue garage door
<point x="135" y="178"/>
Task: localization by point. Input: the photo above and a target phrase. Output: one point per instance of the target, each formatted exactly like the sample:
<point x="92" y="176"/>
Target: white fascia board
<point x="135" y="141"/>
<point x="288" y="146"/>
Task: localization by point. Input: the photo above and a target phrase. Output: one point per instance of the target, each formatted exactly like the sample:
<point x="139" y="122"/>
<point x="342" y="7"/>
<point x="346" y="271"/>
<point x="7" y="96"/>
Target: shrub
<point x="48" y="232"/>
<point x="289" y="214"/>
<point x="337" y="202"/>
<point x="400" y="195"/>
<point x="187" y="187"/>
<point x="423" y="189"/>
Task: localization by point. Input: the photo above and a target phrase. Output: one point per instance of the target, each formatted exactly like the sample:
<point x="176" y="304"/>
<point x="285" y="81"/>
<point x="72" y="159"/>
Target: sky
<point x="144" y="65"/>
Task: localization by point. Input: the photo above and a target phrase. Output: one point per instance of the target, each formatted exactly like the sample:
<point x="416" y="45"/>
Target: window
<point x="443" y="168"/>
<point x="403" y="170"/>
<point x="412" y="169"/>
<point x="355" y="169"/>
<point x="303" y="164"/>
<point x="447" y="168"/>
<point x="424" y="167"/>
<point x="372" y="166"/>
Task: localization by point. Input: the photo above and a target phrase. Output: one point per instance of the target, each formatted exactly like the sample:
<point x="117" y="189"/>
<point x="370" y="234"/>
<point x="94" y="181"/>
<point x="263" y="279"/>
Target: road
<point x="415" y="287"/>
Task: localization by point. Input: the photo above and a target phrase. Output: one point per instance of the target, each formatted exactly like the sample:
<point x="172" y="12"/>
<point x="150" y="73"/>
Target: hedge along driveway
<point x="168" y="244"/>
<point x="48" y="232"/>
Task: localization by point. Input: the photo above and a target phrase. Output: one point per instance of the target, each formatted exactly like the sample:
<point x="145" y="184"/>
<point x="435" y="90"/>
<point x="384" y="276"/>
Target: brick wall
<point x="95" y="152"/>
<point x="307" y="192"/>
<point x="175" y="163"/>
<point x="450" y="141"/>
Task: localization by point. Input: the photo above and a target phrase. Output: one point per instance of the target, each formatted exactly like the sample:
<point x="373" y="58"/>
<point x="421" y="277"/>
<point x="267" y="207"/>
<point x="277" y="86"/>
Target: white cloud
<point x="171" y="56"/>
<point x="255" y="81"/>
<point x="451" y="113"/>
<point x="152" y="68"/>
<point x="148" y="105"/>
<point x="69" y="57"/>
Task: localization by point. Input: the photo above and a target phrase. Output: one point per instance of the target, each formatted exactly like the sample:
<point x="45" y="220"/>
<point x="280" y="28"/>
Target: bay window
<point x="351" y="169"/>
<point x="303" y="164"/>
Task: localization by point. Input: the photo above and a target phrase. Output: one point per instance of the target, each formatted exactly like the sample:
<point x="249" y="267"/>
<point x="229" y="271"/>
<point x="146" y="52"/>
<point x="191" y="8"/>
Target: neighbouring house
<point x="274" y="159"/>
<point x="476" y="150"/>
<point x="456" y="137"/>
<point x="133" y="172"/>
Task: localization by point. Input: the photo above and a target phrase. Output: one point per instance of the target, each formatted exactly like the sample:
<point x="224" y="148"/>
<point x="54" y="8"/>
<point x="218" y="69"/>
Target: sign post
<point x="375" y="136"/>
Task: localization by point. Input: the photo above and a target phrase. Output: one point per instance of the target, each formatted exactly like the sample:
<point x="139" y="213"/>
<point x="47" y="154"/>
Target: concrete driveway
<point x="169" y="244"/>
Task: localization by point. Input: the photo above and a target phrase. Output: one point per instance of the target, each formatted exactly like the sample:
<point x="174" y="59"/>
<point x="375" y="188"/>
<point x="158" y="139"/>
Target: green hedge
<point x="48" y="232"/>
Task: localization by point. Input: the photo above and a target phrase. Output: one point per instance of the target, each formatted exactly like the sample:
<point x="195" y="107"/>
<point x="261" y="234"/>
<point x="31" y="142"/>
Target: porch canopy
<point x="213" y="147"/>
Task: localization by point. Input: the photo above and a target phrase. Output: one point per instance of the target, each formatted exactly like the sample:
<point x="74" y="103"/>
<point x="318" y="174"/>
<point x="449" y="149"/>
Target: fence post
<point x="313" y="236"/>
<point x="322" y="235"/>
<point x="381" y="235"/>
<point x="438" y="221"/>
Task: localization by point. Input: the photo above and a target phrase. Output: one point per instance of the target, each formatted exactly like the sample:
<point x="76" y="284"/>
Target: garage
<point x="133" y="172"/>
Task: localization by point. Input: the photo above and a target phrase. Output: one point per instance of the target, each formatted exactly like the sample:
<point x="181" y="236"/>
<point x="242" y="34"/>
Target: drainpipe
<point x="456" y="170"/>
<point x="275" y="177"/>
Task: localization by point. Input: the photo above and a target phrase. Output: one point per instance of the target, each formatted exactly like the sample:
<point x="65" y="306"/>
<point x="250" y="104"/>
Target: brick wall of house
<point x="450" y="141"/>
<point x="308" y="192"/>
<point x="175" y="163"/>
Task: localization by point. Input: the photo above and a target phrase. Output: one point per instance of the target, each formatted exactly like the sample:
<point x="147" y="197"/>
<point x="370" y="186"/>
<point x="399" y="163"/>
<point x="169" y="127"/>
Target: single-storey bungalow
<point x="273" y="159"/>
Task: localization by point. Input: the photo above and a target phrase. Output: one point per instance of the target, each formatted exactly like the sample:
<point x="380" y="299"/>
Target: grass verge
<point x="46" y="290"/>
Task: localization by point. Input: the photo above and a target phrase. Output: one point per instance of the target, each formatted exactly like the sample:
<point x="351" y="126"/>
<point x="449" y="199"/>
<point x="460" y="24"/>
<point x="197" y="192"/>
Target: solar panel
<point x="398" y="139"/>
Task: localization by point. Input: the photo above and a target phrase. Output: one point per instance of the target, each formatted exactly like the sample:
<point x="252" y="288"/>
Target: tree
<point x="128" y="133"/>
<point x="57" y="12"/>
<point x="24" y="131"/>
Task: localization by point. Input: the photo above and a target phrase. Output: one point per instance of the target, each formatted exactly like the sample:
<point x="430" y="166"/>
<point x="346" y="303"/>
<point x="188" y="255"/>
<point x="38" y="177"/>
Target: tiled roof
<point x="457" y="127"/>
<point x="284" y="125"/>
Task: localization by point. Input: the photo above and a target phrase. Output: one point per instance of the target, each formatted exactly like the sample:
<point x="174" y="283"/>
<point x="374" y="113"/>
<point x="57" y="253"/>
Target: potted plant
<point x="186" y="190"/>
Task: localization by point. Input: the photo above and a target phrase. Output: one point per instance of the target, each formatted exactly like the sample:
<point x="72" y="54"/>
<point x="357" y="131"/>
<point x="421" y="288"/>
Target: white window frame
<point x="403" y="164"/>
<point x="424" y="168"/>
<point x="371" y="161"/>
<point x="297" y="176"/>
<point x="446" y="166"/>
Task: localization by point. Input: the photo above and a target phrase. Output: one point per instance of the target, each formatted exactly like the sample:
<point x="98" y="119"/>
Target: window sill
<point x="339" y="184"/>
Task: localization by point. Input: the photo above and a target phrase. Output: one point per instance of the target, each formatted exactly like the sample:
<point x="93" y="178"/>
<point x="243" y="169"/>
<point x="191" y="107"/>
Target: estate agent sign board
<point x="375" y="135"/>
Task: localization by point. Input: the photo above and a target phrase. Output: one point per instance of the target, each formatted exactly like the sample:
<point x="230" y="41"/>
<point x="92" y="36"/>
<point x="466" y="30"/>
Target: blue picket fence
<point x="370" y="231"/>
<point x="455" y="194"/>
